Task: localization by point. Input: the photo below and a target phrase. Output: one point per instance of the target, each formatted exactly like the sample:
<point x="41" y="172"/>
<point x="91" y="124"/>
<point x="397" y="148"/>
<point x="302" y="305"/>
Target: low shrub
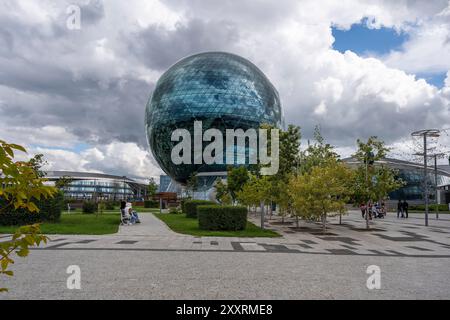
<point x="190" y="207"/>
<point x="110" y="205"/>
<point x="89" y="207"/>
<point x="151" y="204"/>
<point x="431" y="207"/>
<point x="174" y="211"/>
<point x="216" y="217"/>
<point x="182" y="204"/>
<point x="49" y="210"/>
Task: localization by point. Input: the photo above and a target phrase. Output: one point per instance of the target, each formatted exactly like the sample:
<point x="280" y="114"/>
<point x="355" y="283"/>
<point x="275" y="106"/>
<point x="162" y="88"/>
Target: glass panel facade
<point x="222" y="90"/>
<point x="109" y="189"/>
<point x="413" y="190"/>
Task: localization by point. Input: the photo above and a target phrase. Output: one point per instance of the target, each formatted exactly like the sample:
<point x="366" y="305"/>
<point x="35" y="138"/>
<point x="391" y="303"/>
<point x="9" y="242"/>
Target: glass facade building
<point x="86" y="186"/>
<point x="222" y="90"/>
<point x="412" y="174"/>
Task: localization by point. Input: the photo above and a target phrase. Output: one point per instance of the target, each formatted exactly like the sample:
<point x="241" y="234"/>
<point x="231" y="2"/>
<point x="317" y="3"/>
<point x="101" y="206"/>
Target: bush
<point x="151" y="204"/>
<point x="110" y="205"/>
<point x="190" y="207"/>
<point x="215" y="217"/>
<point x="49" y="210"/>
<point x="174" y="211"/>
<point x="182" y="204"/>
<point x="431" y="207"/>
<point x="89" y="207"/>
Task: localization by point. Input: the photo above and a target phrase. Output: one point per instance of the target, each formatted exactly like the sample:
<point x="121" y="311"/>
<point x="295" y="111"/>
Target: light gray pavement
<point x="149" y="261"/>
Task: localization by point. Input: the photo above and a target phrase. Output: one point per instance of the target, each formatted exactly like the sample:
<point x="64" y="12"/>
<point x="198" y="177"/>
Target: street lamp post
<point x="426" y="133"/>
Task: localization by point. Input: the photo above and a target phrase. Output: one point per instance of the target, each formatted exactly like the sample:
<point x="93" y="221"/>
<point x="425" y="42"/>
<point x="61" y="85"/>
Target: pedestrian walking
<point x="405" y="208"/>
<point x="399" y="209"/>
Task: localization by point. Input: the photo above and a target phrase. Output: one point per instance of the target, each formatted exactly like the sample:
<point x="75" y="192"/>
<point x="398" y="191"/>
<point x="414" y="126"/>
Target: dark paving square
<point x="304" y="246"/>
<point x="237" y="246"/>
<point x="197" y="242"/>
<point x="348" y="247"/>
<point x="377" y="252"/>
<point x="319" y="233"/>
<point x="309" y="241"/>
<point x="341" y="251"/>
<point x="214" y="243"/>
<point x="85" y="241"/>
<point x="419" y="248"/>
<point x="396" y="252"/>
<point x="126" y="242"/>
<point x="275" y="247"/>
<point x="345" y="240"/>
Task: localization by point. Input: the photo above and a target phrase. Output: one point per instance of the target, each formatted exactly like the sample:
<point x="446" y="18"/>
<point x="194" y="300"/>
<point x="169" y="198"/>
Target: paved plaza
<point x="150" y="261"/>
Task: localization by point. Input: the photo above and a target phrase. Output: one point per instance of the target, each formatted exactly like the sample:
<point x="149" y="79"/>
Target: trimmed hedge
<point x="216" y="217"/>
<point x="190" y="207"/>
<point x="421" y="207"/>
<point x="49" y="210"/>
<point x="151" y="204"/>
<point x="89" y="207"/>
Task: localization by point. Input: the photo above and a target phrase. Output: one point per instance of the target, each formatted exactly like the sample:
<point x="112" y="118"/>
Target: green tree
<point x="318" y="153"/>
<point x="237" y="177"/>
<point x="192" y="184"/>
<point x="152" y="187"/>
<point x="323" y="191"/>
<point x="20" y="186"/>
<point x="256" y="191"/>
<point x="373" y="180"/>
<point x="63" y="182"/>
<point x="222" y="193"/>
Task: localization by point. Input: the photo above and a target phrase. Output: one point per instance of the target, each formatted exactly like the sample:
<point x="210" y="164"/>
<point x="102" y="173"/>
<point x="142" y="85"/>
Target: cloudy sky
<point x="356" y="68"/>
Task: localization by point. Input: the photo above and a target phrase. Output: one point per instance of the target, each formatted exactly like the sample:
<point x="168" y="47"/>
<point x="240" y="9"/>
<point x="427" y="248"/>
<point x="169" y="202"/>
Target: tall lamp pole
<point x="426" y="133"/>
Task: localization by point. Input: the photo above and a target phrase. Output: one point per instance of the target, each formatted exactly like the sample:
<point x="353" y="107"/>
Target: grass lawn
<point x="179" y="223"/>
<point x="77" y="223"/>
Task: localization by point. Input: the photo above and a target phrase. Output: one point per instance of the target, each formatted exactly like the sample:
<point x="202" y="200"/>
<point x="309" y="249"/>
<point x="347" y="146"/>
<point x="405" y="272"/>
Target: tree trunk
<point x="324" y="221"/>
<point x="262" y="214"/>
<point x="340" y="218"/>
<point x="296" y="221"/>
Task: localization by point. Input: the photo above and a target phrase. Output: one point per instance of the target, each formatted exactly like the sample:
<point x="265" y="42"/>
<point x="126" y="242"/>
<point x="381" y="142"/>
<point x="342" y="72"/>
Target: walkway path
<point x="149" y="226"/>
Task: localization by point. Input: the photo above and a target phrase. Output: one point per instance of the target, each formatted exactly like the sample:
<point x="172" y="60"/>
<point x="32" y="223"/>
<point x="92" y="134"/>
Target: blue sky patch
<point x="436" y="79"/>
<point x="364" y="41"/>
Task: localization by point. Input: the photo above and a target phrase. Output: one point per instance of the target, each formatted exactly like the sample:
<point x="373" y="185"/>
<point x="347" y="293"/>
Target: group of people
<point x="402" y="209"/>
<point x="373" y="210"/>
<point x="129" y="216"/>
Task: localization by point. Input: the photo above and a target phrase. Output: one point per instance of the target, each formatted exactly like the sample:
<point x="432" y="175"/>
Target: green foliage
<point x="63" y="182"/>
<point x="192" y="184"/>
<point x="89" y="207"/>
<point x="152" y="187"/>
<point x="151" y="204"/>
<point x="214" y="217"/>
<point x="255" y="191"/>
<point x="110" y="205"/>
<point x="20" y="181"/>
<point x="317" y="154"/>
<point x="174" y="210"/>
<point x="431" y="207"/>
<point x="289" y="152"/>
<point x="373" y="180"/>
<point x="190" y="207"/>
<point x="322" y="191"/>
<point x="21" y="186"/>
<point x="48" y="210"/>
<point x="22" y="239"/>
<point x="237" y="177"/>
<point x="222" y="193"/>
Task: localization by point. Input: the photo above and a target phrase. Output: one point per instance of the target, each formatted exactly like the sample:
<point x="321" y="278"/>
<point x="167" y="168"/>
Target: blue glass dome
<point x="222" y="90"/>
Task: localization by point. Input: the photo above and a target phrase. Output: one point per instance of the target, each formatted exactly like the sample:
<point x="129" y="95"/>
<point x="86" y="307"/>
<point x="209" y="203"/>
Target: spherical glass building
<point x="222" y="90"/>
